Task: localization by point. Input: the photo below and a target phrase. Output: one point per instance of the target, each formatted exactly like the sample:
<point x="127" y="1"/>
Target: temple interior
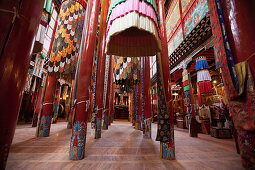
<point x="127" y="84"/>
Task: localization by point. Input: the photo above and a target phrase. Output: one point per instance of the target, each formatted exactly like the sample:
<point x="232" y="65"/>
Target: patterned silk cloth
<point x="65" y="51"/>
<point x="126" y="70"/>
<point x="239" y="86"/>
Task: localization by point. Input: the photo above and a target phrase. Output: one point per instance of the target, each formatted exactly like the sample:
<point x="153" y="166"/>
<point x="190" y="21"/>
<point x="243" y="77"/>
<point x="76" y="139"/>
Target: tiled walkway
<point x="121" y="147"/>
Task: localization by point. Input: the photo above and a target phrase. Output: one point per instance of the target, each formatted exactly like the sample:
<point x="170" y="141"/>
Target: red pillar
<point x="112" y="103"/>
<point x="140" y="97"/>
<point x="164" y="61"/>
<point x="111" y="94"/>
<point x="108" y="93"/>
<point x="239" y="18"/>
<point x="101" y="69"/>
<point x="78" y="139"/>
<point x="47" y="110"/>
<point x="193" y="123"/>
<point x="147" y="89"/>
<point x="147" y="98"/>
<point x="14" y="62"/>
<point x="39" y="102"/>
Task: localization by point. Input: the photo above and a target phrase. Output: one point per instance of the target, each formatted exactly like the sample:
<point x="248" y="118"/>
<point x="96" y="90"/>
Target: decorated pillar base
<point x="78" y="140"/>
<point x="106" y="122"/>
<point x="193" y="128"/>
<point x="147" y="129"/>
<point x="167" y="151"/>
<point x="98" y="128"/>
<point x="44" y="127"/>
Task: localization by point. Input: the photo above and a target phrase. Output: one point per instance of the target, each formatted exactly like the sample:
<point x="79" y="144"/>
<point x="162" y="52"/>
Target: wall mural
<point x="172" y="17"/>
<point x="175" y="42"/>
<point x="195" y="15"/>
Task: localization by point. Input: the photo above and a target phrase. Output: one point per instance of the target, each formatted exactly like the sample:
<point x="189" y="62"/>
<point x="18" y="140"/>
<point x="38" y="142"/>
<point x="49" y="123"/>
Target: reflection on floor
<point x="121" y="147"/>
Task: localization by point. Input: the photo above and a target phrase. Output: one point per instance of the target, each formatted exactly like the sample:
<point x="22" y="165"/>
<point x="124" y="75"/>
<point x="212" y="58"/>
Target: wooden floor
<point x="121" y="147"/>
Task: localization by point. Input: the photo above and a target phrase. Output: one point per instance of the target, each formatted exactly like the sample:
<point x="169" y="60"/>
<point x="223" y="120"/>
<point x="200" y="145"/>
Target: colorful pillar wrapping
<point x="136" y="94"/>
<point x="39" y="101"/>
<point x="147" y="98"/>
<point x="165" y="132"/>
<point x="56" y="104"/>
<point x="189" y="94"/>
<point x="112" y="104"/>
<point x="78" y="139"/>
<point x="66" y="46"/>
<point x="101" y="69"/>
<point x="104" y="116"/>
<point x="186" y="81"/>
<point x="15" y="49"/>
<point x="45" y="121"/>
<point x="237" y="77"/>
<point x="68" y="102"/>
<point x="108" y="93"/>
<point x="140" y="97"/>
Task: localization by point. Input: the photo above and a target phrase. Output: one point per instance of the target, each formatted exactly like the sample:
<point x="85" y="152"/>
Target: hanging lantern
<point x="133" y="28"/>
<point x="64" y="54"/>
<point x="203" y="76"/>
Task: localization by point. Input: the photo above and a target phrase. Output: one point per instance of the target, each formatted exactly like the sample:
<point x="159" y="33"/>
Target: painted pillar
<point x="47" y="110"/>
<point x="164" y="63"/>
<point x="140" y="97"/>
<point x="37" y="105"/>
<point x="136" y="99"/>
<point x="189" y="94"/>
<point x="101" y="69"/>
<point x="111" y="92"/>
<point x="68" y="103"/>
<point x="147" y="98"/>
<point x="193" y="123"/>
<point x="64" y="97"/>
<point x="78" y="139"/>
<point x="112" y="103"/>
<point x="108" y="93"/>
<point x="17" y="35"/>
<point x="56" y="103"/>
